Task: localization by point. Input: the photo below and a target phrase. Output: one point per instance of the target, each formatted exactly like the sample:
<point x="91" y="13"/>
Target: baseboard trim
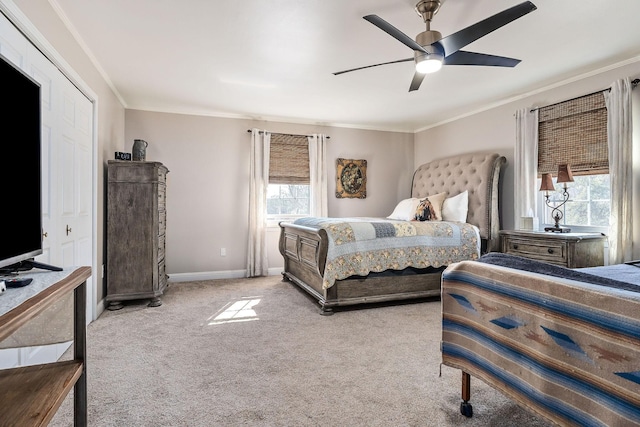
<point x="276" y="271"/>
<point x="213" y="275"/>
<point x="206" y="275"/>
<point x="100" y="308"/>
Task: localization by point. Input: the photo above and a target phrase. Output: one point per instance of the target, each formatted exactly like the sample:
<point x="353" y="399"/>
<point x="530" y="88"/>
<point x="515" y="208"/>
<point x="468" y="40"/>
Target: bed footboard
<point x="304" y="250"/>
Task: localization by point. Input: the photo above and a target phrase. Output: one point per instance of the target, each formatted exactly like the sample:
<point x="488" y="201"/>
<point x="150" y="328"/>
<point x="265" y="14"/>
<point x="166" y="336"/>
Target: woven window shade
<point x="574" y="132"/>
<point x="289" y="159"/>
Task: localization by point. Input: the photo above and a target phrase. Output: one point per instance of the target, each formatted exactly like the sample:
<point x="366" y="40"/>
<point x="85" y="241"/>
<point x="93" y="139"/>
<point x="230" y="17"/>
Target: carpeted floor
<point x="276" y="363"/>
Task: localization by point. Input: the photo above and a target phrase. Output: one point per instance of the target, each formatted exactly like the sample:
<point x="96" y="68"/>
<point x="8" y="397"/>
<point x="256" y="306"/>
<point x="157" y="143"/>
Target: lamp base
<point x="558" y="229"/>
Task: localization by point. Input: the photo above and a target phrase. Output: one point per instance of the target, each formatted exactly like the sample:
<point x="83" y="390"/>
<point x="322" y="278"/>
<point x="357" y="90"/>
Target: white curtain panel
<point x="257" y="263"/>
<point x="318" y="175"/>
<point x="526" y="165"/>
<point x="619" y="134"/>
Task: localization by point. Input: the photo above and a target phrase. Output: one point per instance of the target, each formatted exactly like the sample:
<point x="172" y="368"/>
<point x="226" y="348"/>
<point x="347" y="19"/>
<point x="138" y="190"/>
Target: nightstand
<point x="572" y="250"/>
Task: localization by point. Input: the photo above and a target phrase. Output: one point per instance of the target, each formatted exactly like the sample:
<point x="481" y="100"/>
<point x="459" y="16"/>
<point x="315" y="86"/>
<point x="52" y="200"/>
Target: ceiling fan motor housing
<point x="428" y="40"/>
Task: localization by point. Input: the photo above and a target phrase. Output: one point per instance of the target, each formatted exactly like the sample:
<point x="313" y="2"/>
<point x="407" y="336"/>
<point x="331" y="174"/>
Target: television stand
<point x="41" y="265"/>
<point x="26" y="265"/>
<point x="31" y="395"/>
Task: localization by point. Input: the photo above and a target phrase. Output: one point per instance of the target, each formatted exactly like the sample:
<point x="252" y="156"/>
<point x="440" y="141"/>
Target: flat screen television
<point x="20" y="170"/>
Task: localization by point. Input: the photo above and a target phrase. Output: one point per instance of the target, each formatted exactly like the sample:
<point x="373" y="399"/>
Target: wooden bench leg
<point x="465" y="407"/>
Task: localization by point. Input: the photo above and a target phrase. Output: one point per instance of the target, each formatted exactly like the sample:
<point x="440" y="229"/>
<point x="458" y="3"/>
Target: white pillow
<point x="405" y="210"/>
<point x="455" y="208"/>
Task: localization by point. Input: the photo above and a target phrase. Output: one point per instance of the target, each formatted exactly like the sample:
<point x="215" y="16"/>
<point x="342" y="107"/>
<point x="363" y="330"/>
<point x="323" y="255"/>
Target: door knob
<point x="68" y="229"/>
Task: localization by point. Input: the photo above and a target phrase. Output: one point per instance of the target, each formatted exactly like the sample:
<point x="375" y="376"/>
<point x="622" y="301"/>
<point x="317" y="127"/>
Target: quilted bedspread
<point x="359" y="246"/>
<point x="566" y="349"/>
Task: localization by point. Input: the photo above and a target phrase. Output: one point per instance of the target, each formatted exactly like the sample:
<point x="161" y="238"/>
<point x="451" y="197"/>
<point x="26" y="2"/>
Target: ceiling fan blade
<point x="375" y="65"/>
<point x="417" y="81"/>
<point x="394" y="32"/>
<point x="452" y="43"/>
<point x="462" y="57"/>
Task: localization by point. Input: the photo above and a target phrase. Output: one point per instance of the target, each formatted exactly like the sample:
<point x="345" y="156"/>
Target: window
<point x="588" y="207"/>
<point x="288" y="193"/>
<point x="287" y="200"/>
<point x="574" y="132"/>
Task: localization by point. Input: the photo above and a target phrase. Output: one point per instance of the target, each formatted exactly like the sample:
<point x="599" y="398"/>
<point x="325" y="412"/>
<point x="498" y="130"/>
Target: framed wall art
<point x="351" y="178"/>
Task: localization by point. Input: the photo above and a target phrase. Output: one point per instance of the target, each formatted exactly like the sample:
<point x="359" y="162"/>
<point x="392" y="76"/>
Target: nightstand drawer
<point x="572" y="250"/>
<point x="555" y="252"/>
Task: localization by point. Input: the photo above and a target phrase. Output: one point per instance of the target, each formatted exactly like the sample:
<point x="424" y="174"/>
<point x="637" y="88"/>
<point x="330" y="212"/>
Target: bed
<point x="309" y="247"/>
<point x="563" y="343"/>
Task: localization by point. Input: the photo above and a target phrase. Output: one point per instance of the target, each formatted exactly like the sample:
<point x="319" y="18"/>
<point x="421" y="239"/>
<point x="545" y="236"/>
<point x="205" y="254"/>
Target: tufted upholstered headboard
<point x="479" y="173"/>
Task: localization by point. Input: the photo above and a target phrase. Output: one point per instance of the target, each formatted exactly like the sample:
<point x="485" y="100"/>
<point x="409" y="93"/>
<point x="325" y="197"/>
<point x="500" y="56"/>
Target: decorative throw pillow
<point x="430" y="208"/>
<point x="405" y="210"/>
<point x="455" y="208"/>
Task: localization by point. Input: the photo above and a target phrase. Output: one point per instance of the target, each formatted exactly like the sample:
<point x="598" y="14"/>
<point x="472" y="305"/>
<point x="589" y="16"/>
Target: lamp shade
<point x="564" y="174"/>
<point x="547" y="183"/>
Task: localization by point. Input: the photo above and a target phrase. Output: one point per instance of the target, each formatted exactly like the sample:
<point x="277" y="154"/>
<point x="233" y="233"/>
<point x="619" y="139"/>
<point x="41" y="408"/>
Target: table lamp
<point x="564" y="175"/>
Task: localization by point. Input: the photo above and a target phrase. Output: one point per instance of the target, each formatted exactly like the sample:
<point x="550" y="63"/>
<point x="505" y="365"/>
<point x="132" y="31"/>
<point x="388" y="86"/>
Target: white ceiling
<point x="274" y="59"/>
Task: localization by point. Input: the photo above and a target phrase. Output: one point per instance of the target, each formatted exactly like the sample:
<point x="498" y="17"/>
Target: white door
<point x="73" y="189"/>
<point x="44" y="72"/>
<point x="67" y="126"/>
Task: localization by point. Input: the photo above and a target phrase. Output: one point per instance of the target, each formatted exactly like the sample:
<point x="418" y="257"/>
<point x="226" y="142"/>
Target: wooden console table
<point x="31" y="395"/>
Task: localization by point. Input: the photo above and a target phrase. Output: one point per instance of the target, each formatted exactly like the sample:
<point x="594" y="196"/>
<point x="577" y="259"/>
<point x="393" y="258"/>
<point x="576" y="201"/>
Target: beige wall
<point x="208" y="182"/>
<point x="494" y="129"/>
<point x="110" y="120"/>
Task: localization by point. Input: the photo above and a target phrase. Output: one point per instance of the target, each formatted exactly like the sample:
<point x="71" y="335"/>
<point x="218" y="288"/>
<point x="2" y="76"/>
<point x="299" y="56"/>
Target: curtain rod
<point x="287" y="134"/>
<point x="634" y="83"/>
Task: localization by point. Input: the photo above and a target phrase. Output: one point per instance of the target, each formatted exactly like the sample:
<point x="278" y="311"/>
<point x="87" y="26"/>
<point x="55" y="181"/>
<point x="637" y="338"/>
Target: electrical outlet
<point x="223" y="251"/>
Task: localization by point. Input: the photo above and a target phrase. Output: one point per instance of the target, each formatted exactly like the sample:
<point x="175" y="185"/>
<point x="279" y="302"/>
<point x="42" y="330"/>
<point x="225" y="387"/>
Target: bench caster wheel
<point x="466" y="409"/>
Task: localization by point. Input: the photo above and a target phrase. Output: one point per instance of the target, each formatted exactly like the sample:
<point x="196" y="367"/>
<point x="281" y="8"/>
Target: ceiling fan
<point x="431" y="50"/>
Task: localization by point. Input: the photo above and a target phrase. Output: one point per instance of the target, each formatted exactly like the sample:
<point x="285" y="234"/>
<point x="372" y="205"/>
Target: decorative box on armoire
<point x="136" y="224"/>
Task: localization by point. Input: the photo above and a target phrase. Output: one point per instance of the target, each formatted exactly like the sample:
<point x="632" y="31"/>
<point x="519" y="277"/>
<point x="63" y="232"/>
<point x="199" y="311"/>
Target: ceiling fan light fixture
<point x="429" y="64"/>
<point x="431" y="51"/>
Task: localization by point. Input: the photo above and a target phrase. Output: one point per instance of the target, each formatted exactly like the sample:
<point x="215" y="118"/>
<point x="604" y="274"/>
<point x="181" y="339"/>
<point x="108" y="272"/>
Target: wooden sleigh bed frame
<point x="305" y="249"/>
